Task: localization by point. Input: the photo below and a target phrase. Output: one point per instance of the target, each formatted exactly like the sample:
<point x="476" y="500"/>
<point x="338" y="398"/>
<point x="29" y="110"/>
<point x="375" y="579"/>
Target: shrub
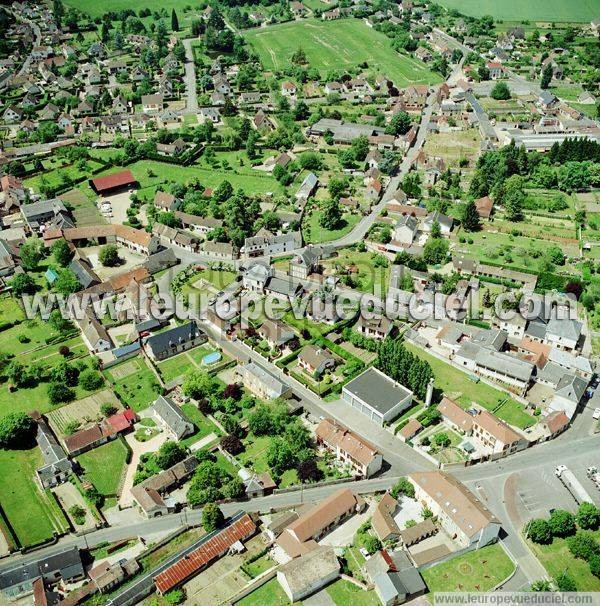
<point x="539" y="531"/>
<point x="583" y="545"/>
<point x="562" y="523"/>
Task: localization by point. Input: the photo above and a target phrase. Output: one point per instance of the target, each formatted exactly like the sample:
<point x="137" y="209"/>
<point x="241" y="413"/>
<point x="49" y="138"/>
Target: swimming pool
<point x="211" y="358"/>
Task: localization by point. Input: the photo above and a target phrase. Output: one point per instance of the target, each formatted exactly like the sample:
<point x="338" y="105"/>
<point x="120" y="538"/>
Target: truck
<point x="572" y="484"/>
<point x="593" y="475"/>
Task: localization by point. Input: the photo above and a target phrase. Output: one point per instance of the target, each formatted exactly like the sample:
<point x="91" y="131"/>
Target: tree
<point x="22" y="284"/>
<point x="232" y="444"/>
<point x="541" y="585"/>
<point x="280" y="456"/>
<point x="212" y="517"/>
<point x="78" y="514"/>
<point x="58" y="323"/>
<point x="198" y="384"/>
<point x="66" y="283"/>
<point x="371" y="543"/>
<point x="260" y="422"/>
<point x="565" y="583"/>
<point x="500" y="91"/>
<point x="109" y="256"/>
<point x="169" y="454"/>
<point x="436" y="230"/>
<point x="174" y="597"/>
<point x="62" y="253"/>
<point x="583" y="545"/>
<point x="65" y="373"/>
<point x="174" y="21"/>
<point x="442" y="439"/>
<point x="234" y="489"/>
<point x="562" y="523"/>
<point x="59" y="392"/>
<point x="308" y="471"/>
<point x="469" y="216"/>
<point x="399" y="124"/>
<point x="435" y="251"/>
<point x="595" y="565"/>
<point x="331" y="214"/>
<point x="513" y="198"/>
<point x="108" y="409"/>
<point x="17" y="430"/>
<point x="31" y="253"/>
<point x="403" y="486"/>
<point x="360" y="148"/>
<point x="547" y="73"/>
<point x="539" y="531"/>
<point x="588" y="516"/>
<point x="90" y="379"/>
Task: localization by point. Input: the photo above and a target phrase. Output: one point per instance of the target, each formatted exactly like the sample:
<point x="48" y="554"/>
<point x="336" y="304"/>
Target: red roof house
<point x="102" y="185"/>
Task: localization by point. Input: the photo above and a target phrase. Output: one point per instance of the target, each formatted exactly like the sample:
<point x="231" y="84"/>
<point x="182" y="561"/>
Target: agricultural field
<point x="533" y="10"/>
<point x="33" y="515"/>
<point x="134" y="383"/>
<point x="335" y="45"/>
<point x="479" y="570"/>
<point x="103" y="466"/>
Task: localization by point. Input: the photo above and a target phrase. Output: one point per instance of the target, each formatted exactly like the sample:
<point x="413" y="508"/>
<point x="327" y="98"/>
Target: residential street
<point x="190" y="78"/>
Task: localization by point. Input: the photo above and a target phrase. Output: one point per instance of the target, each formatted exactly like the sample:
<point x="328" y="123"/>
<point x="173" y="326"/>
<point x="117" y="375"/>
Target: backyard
<point x="134" y="383"/>
<point x="103" y="466"/>
<point x="478" y="570"/>
<point x="312" y="231"/>
<point x="33" y="515"/>
<point x="336" y="45"/>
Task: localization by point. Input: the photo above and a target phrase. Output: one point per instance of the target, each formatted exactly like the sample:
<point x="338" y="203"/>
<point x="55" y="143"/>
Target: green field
<point x="344" y="592"/>
<point x="96" y="10"/>
<point x="103" y="466"/>
<point x="557" y="558"/>
<point x="336" y="45"/>
<point x="479" y="570"/>
<point x="33" y="515"/>
<point x="533" y="10"/>
<point x="313" y="232"/>
<point x="269" y="594"/>
<point x="139" y="387"/>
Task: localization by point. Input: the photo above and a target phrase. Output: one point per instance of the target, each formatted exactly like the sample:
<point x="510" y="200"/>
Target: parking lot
<point x="114" y="207"/>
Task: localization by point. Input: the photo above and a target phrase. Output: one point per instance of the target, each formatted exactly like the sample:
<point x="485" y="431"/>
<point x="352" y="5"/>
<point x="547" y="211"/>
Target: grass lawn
<point x="31" y="513"/>
<point x="175" y="367"/>
<point x="96" y="10"/>
<point x="185" y="539"/>
<point x="533" y="10"/>
<point x="269" y="594"/>
<point x="259" y="566"/>
<point x="478" y="570"/>
<point x="139" y="388"/>
<point x="313" y="232"/>
<point x="355" y="561"/>
<point x="344" y="592"/>
<point x="10" y="309"/>
<point x="204" y="425"/>
<point x="103" y="466"/>
<point x="557" y="558"/>
<point x="33" y="334"/>
<point x="464" y="391"/>
<point x="254" y="454"/>
<point x="337" y="45"/>
<point x="363" y="270"/>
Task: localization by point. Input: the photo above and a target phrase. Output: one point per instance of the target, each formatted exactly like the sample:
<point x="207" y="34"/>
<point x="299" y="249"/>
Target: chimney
<point x="429" y="394"/>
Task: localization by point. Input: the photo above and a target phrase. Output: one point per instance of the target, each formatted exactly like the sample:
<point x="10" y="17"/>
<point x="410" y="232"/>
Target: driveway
<point x="343" y="535"/>
<point x="137" y="450"/>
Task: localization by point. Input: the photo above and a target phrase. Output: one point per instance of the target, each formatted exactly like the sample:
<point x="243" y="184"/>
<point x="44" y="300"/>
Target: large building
<point x="262" y="383"/>
<point x="349" y="448"/>
<point x="175" y="340"/>
<point x="171" y="418"/>
<point x="114" y="182"/>
<point x="377" y="396"/>
<point x="462" y="515"/>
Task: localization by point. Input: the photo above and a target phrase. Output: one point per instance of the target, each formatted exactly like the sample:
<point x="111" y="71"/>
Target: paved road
<point x="36" y="32"/>
<point x="190" y="78"/>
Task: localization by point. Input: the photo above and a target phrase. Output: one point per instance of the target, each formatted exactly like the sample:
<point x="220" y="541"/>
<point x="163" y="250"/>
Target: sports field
<point x="335" y="45"/>
<point x="532" y="10"/>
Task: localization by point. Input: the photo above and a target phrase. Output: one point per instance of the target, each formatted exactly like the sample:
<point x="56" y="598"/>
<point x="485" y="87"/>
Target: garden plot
<point x="84" y="411"/>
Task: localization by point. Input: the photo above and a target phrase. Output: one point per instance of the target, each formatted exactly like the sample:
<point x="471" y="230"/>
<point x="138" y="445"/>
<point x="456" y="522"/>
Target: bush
<point x="90" y="379"/>
<point x="565" y="583"/>
<point x="583" y="545"/>
<point x="588" y="516"/>
<point x="562" y="523"/>
<point x="59" y="392"/>
<point x="539" y="531"/>
<point x="403" y="487"/>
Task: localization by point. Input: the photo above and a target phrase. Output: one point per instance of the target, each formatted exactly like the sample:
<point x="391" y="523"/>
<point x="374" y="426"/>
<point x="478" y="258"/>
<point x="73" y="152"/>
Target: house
<point x="374" y="190"/>
<point x="455" y="416"/>
<point x="383" y="522"/>
<point x="152" y="103"/>
<point x="256" y="485"/>
<point x="394" y="578"/>
<point x="94" y="334"/>
<point x="166" y="202"/>
<point x="17" y="581"/>
<point x="309" y="573"/>
<point x="173" y="341"/>
<point x="410" y="430"/>
<point x="262" y="121"/>
<point x="325" y="312"/>
<point x="172" y="236"/>
<point x="444" y="222"/>
<point x="304" y="262"/>
<point x="307" y="188"/>
<point x="423" y="54"/>
<point x="484" y="207"/>
<point x="349" y="448"/>
<point x="263" y="383"/>
<point x="288" y="89"/>
<point x="496" y="435"/>
<point x="377" y="396"/>
<point x="377" y="327"/>
<point x="171" y="418"/>
<point x="496" y="69"/>
<point x="276" y="333"/>
<point x="315" y="361"/>
<point x="57" y="467"/>
<point x="563" y="333"/>
<point x="461" y="514"/>
<point x="265" y="244"/>
<point x="569" y="392"/>
<point x="83" y="271"/>
<point x="149" y="494"/>
<point x="555" y="423"/>
<point x="297" y="8"/>
<point x="406" y="229"/>
<point x="171" y="149"/>
<point x="256" y="277"/>
<point x="301" y="536"/>
<point x="546" y="99"/>
<point x="210" y="114"/>
<point x="111" y="183"/>
<point x="13" y="114"/>
<point x="200" y="225"/>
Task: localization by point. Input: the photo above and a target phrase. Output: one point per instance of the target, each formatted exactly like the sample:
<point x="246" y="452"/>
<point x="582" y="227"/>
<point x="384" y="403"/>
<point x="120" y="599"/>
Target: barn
<point x="111" y="183"/>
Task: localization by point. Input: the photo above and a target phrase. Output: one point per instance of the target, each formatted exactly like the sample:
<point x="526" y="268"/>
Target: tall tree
<point x="174" y="21"/>
<point x="546" y="76"/>
<point x="469" y="216"/>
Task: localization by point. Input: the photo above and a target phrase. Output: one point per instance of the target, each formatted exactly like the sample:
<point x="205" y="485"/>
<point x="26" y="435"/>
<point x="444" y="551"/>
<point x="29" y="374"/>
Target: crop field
<point x="533" y="10"/>
<point x="335" y="45"/>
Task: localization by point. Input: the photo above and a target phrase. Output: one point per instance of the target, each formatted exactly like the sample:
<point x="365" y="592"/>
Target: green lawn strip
<point x="103" y="466"/>
<point x="225" y="465"/>
<point x="154" y="559"/>
<point x="313" y="232"/>
<point x="10" y="310"/>
<point x="478" y="570"/>
<point x="355" y="561"/>
<point x="33" y="333"/>
<point x="203" y="424"/>
<point x="450" y="380"/>
<point x="30" y="515"/>
<point x="259" y="566"/>
<point x="556" y="558"/>
<point x="139" y="389"/>
<point x="343" y="592"/>
<point x="269" y="594"/>
<point x="175" y="367"/>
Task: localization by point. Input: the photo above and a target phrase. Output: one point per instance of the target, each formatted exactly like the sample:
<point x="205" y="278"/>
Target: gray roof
<point x="405" y="580"/>
<point x="45" y="207"/>
<point x="567" y="329"/>
<point x="303" y="573"/>
<point x="172" y="415"/>
<point x="84" y="273"/>
<point x="55" y="459"/>
<point x="568" y="360"/>
<point x="496" y="361"/>
<point x="180" y="334"/>
<point x="378" y="390"/>
<point x="283" y="286"/>
<point x="571" y="387"/>
<point x="408" y="221"/>
<point x="67" y="563"/>
<point x="267" y="378"/>
<point x="536" y="328"/>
